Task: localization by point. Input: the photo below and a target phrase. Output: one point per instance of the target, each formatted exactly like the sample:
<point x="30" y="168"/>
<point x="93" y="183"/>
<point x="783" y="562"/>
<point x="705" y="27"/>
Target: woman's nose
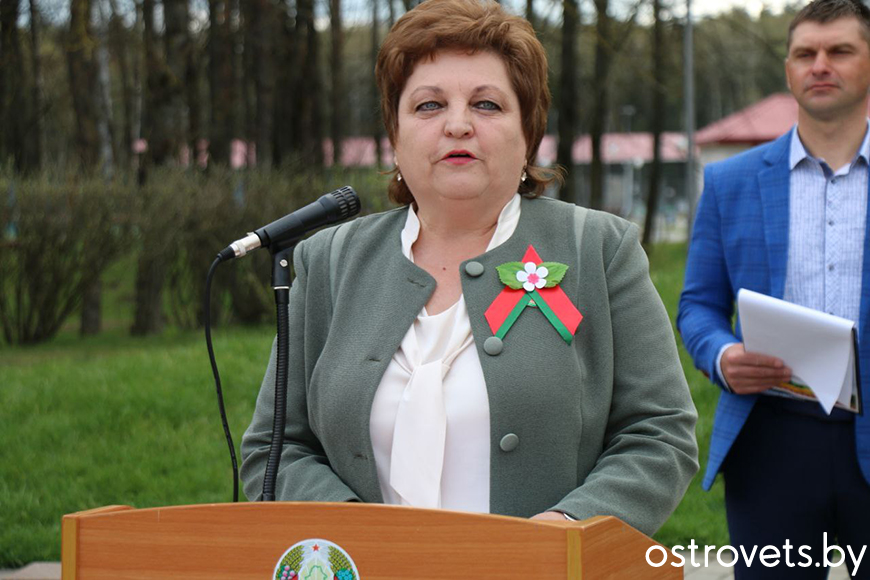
<point x="458" y="123"/>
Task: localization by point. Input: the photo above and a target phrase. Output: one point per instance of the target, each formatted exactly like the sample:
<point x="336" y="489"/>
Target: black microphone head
<point x="348" y="202"/>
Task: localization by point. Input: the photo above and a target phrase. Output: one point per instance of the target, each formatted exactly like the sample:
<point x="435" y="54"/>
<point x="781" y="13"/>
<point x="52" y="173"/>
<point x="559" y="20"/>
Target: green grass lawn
<point x="114" y="419"/>
<point x="701" y="515"/>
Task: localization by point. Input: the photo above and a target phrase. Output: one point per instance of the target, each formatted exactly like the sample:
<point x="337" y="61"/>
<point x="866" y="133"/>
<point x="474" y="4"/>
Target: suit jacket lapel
<point x="379" y="296"/>
<point x="773" y="184"/>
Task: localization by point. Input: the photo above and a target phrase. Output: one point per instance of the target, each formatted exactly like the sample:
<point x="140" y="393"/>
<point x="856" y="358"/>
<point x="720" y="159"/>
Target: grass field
<point x="701" y="515"/>
<point x="114" y="419"/>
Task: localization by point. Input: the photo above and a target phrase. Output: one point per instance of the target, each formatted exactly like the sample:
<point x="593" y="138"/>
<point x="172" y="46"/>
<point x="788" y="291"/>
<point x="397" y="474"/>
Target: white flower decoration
<point x="533" y="276"/>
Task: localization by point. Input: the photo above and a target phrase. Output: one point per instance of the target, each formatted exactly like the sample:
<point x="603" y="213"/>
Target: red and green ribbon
<point x="551" y="301"/>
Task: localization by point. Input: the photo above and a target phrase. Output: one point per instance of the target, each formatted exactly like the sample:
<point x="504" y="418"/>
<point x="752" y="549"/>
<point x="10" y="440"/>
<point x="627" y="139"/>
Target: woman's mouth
<point x="459" y="157"/>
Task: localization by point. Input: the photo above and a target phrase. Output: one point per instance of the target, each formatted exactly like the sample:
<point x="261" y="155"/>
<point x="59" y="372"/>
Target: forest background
<point x="139" y="137"/>
<point x="236" y="104"/>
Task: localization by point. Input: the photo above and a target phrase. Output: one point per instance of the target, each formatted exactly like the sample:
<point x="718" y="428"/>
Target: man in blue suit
<point x="789" y="219"/>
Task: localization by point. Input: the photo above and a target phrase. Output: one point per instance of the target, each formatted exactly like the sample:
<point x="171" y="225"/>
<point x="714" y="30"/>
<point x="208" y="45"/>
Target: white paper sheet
<point x="818" y="347"/>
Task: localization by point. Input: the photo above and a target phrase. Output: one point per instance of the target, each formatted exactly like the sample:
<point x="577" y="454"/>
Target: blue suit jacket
<point x="740" y="240"/>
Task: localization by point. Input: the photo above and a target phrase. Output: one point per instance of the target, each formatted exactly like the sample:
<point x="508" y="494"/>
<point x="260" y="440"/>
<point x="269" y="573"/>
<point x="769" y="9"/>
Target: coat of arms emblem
<point x="315" y="559"/>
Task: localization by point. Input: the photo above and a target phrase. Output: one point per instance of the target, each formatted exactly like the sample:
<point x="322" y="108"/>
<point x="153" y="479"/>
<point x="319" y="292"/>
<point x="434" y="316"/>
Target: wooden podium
<point x="248" y="540"/>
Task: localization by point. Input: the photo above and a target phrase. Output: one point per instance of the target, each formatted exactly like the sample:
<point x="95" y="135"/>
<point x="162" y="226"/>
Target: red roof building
<point x="756" y="124"/>
<point x="617" y="148"/>
<point x="759" y="123"/>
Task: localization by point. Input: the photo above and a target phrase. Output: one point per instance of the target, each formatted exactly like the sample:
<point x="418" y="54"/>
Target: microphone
<point x="331" y="208"/>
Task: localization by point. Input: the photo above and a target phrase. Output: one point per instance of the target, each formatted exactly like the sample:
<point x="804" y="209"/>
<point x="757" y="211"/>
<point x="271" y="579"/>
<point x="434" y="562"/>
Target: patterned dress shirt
<point x="827" y="217"/>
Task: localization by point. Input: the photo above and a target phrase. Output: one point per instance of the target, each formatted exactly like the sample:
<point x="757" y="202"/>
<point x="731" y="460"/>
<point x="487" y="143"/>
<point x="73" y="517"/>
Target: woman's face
<point x="460" y="134"/>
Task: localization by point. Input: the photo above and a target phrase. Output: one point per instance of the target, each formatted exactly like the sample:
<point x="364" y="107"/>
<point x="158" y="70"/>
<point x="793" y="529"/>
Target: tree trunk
<point x="193" y="101"/>
<point x="238" y="54"/>
<point x="218" y="141"/>
<point x="568" y="99"/>
<point x="248" y="76"/>
<point x="285" y="88"/>
<point x="137" y="62"/>
<point x="118" y="42"/>
<point x="658" y="114"/>
<point x="377" y="125"/>
<point x="91" y="319"/>
<point x="221" y="81"/>
<point x="38" y="91"/>
<point x="263" y="39"/>
<point x="148" y="315"/>
<point x="150" y="130"/>
<point x="80" y="60"/>
<point x="599" y="106"/>
<point x="530" y="14"/>
<point x="299" y="99"/>
<point x="175" y="117"/>
<point x="105" y="125"/>
<point x="167" y="116"/>
<point x="337" y="78"/>
<point x="151" y="271"/>
<point x="307" y="123"/>
<point x="315" y="134"/>
<point x="92" y="299"/>
<point x="12" y="103"/>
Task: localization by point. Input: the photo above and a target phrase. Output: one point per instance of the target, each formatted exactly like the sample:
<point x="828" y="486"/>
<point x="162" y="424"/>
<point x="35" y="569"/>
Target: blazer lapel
<point x="773" y="184"/>
<point x="380" y="293"/>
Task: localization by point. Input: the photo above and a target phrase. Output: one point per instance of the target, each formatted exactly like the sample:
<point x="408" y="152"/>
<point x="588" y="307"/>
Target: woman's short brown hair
<point x="473" y="25"/>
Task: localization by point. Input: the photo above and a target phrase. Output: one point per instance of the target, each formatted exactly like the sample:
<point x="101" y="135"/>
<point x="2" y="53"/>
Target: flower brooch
<point x="533" y="282"/>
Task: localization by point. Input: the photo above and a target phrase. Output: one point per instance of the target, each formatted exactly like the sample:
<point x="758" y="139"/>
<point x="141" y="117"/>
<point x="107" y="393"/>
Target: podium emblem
<point x="315" y="559"/>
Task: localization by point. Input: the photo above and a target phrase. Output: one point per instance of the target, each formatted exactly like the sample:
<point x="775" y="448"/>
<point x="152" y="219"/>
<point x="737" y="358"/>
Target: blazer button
<point x="509" y="442"/>
<point x="493" y="346"/>
<point x="474" y="269"/>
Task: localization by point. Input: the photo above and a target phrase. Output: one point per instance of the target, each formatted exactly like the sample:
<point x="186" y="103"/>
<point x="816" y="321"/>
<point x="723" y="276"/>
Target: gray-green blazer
<point x="604" y="425"/>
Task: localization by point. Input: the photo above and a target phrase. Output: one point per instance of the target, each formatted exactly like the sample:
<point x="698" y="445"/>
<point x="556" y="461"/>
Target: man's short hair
<point x="823" y="11"/>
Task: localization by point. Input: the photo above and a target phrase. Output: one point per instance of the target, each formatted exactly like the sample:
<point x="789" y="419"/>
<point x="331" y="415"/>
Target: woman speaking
<point x="480" y="348"/>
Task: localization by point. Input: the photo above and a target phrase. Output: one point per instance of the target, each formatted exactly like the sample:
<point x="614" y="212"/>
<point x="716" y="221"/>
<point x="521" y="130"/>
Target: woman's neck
<point x="450" y="234"/>
<point x="457" y="222"/>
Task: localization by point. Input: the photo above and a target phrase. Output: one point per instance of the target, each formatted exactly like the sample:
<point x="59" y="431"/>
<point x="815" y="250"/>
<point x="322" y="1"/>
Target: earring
<point x="398" y="176"/>
<point x="524" y="177"/>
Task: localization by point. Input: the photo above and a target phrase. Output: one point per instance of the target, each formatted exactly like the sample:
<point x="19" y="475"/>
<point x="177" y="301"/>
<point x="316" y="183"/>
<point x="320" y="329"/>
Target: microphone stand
<point x="282" y="257"/>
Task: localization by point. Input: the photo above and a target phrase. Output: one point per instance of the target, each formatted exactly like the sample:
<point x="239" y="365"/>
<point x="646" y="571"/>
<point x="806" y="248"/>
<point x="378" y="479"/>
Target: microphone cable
<point x="280" y="236"/>
<point x="217" y="376"/>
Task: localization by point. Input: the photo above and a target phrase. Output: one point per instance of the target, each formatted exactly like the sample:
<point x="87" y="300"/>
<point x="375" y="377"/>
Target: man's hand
<point x="748" y="373"/>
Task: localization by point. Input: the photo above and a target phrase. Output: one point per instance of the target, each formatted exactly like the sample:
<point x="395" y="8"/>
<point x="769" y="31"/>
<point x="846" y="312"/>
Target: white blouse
<point x="430" y="416"/>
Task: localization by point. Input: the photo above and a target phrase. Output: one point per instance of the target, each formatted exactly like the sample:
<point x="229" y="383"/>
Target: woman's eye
<point x="428" y="106"/>
<point x="487" y="106"/>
